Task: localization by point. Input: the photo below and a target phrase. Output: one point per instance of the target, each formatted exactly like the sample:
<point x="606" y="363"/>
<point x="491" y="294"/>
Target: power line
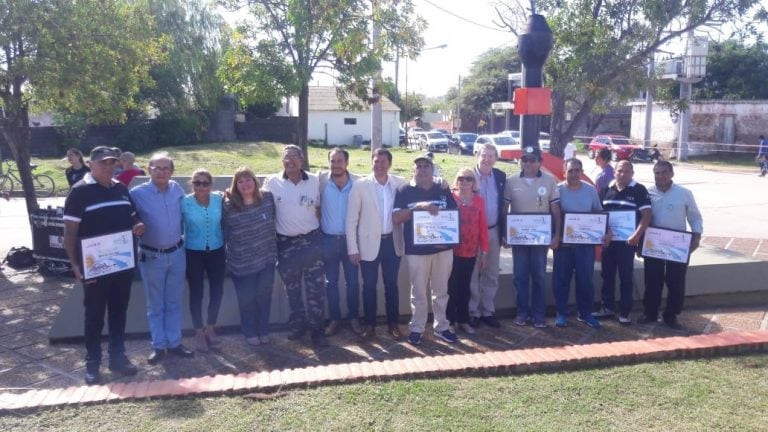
<point x="465" y="19"/>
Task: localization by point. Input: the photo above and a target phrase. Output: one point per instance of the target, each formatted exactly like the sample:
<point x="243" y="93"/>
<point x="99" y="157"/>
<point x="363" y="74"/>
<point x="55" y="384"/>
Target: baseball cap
<point x="424" y="157"/>
<point x="101" y="153"/>
<point x="531" y="151"/>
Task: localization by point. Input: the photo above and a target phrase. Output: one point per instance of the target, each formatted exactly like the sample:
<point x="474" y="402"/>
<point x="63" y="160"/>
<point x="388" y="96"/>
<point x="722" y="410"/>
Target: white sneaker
<point x="624" y="320"/>
<point x="604" y="312"/>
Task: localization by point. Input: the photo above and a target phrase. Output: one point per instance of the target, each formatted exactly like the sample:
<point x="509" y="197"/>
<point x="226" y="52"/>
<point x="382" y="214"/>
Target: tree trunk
<point x="18" y="136"/>
<point x="304" y="122"/>
<point x="557" y="138"/>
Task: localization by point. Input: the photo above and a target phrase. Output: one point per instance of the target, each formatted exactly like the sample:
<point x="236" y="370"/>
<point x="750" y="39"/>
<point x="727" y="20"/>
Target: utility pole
<point x="376" y="117"/>
<point x="458" y="107"/>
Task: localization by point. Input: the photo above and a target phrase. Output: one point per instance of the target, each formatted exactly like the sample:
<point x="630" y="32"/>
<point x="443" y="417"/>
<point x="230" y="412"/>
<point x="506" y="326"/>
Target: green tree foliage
<point x="735" y="71"/>
<point x="85" y="57"/>
<point x="277" y="51"/>
<point x="601" y="48"/>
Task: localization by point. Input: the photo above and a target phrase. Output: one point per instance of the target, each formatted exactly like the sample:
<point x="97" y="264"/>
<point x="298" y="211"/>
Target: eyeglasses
<point x="468" y="179"/>
<point x="161" y="169"/>
<point x="201" y="183"/>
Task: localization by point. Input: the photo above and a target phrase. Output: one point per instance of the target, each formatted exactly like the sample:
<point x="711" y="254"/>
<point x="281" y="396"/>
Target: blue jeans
<point x="164" y="278"/>
<point x="390" y="268"/>
<point x="581" y="260"/>
<point x="335" y="253"/>
<point x="254" y="299"/>
<point x="619" y="256"/>
<point x="529" y="264"/>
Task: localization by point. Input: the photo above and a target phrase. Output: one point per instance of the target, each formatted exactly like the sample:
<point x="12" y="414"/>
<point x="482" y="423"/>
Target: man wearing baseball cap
<point x="428" y="265"/>
<point x="532" y="191"/>
<point x="98" y="205"/>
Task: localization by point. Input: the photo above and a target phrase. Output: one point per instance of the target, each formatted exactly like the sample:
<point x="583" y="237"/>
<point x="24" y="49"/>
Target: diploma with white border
<point x="440" y="229"/>
<point x="667" y="244"/>
<point x="107" y="254"/>
<point x="529" y="229"/>
<point x="584" y="228"/>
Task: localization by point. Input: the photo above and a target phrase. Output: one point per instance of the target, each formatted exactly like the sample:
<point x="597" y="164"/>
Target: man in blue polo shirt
<point x="624" y="194"/>
<point x="162" y="259"/>
<point x="98" y="205"/>
<point x="428" y="265"/>
<point x="335" y="187"/>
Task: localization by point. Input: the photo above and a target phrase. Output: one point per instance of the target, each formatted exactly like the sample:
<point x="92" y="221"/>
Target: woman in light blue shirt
<point x="204" y="243"/>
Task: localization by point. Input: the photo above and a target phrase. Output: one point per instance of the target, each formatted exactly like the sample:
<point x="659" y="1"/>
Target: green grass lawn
<point x="264" y="158"/>
<point x="712" y="394"/>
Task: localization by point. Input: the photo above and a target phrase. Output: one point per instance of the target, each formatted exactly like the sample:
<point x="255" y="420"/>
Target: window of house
<point x="350" y="121"/>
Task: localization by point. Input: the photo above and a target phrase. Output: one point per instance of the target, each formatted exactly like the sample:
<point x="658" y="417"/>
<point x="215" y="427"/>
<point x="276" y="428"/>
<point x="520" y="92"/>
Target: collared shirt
<point x="490" y="194"/>
<point x="633" y="197"/>
<point x="386" y="201"/>
<point x="671" y="209"/>
<point x="531" y="195"/>
<point x="407" y="197"/>
<point x="295" y="203"/>
<point x="333" y="208"/>
<point x="202" y="224"/>
<point x="161" y="213"/>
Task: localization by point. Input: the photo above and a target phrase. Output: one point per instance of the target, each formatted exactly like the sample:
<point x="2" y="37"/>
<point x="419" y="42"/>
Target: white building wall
<point x="340" y="134"/>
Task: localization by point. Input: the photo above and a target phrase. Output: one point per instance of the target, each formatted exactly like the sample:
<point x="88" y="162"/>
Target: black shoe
<point x="297" y="334"/>
<point x="319" y="340"/>
<point x="123" y="367"/>
<point x="474" y="322"/>
<point x="181" y="351"/>
<point x="673" y="323"/>
<point x="92" y="375"/>
<point x="645" y="319"/>
<point x="491" y="321"/>
<point x="156" y="357"/>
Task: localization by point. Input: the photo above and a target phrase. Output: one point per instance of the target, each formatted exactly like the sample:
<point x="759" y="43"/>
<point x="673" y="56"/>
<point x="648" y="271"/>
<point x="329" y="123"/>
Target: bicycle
<point x="43" y="184"/>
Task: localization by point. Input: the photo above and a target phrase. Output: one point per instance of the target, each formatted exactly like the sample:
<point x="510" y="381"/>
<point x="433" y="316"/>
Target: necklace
<point x="465" y="200"/>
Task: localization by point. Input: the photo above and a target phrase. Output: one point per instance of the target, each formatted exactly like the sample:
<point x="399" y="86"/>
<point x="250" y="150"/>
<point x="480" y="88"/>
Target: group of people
<point x="125" y="170"/>
<point x="311" y="228"/>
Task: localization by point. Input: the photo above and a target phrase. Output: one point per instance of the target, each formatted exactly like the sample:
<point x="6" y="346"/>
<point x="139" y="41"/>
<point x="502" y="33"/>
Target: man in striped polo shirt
<point x="98" y="205"/>
<point x="623" y="194"/>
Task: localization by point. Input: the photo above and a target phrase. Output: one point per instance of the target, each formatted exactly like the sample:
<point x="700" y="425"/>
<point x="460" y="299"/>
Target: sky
<point x="466" y="27"/>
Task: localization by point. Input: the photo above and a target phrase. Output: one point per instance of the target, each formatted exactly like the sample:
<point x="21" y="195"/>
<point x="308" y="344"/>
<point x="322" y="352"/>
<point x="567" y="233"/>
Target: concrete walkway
<point x="34" y="373"/>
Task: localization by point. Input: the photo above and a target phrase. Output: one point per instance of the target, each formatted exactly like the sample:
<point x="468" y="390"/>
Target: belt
<point x="386" y="236"/>
<point x="311" y="233"/>
<point x="336" y="236"/>
<point x="166" y="250"/>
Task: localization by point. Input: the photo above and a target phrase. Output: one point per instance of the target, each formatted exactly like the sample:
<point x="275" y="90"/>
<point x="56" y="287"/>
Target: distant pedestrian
<point x="762" y="156"/>
<point x="569" y="151"/>
<point x="77" y="168"/>
<point x="204" y="246"/>
<point x="130" y="170"/>
<point x="605" y="176"/>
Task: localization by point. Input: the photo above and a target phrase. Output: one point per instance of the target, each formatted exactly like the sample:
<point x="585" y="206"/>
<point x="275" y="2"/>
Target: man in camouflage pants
<point x="299" y="253"/>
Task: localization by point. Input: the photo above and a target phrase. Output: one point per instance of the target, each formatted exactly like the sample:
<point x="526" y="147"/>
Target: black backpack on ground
<point x="20" y="258"/>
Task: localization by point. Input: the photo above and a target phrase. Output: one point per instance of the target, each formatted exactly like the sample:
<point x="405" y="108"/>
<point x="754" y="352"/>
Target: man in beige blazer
<point x="373" y="240"/>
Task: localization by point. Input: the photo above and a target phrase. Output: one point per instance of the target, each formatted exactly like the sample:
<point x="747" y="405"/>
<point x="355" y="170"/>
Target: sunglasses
<point x="466" y="179"/>
<point x="201" y="183"/>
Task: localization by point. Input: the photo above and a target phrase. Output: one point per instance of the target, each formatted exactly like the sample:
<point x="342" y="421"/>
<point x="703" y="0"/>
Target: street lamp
<point x="397" y="70"/>
<point x="694" y="70"/>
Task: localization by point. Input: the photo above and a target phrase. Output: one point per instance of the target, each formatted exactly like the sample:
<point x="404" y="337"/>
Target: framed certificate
<point x="441" y="229"/>
<point x="584" y="228"/>
<point x="667" y="244"/>
<point x="622" y="224"/>
<point x="106" y="254"/>
<point x="529" y="229"/>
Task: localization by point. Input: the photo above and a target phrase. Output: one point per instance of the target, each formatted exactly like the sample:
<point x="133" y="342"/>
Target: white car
<point x="433" y="141"/>
<point x="501" y="142"/>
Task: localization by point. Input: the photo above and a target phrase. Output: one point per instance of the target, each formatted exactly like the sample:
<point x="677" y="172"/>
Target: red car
<point x="620" y="146"/>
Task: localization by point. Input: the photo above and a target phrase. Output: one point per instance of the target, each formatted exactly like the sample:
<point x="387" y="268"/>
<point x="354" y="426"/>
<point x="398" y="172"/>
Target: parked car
<point x="412" y="133"/>
<point x="544" y="139"/>
<point x="461" y="143"/>
<point x="402" y="137"/>
<point x="433" y="141"/>
<point x="620" y="146"/>
<point x="515" y="134"/>
<point x="502" y="142"/>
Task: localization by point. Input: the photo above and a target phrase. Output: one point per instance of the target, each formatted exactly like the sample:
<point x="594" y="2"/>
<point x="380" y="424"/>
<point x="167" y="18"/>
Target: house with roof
<point x="337" y="126"/>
